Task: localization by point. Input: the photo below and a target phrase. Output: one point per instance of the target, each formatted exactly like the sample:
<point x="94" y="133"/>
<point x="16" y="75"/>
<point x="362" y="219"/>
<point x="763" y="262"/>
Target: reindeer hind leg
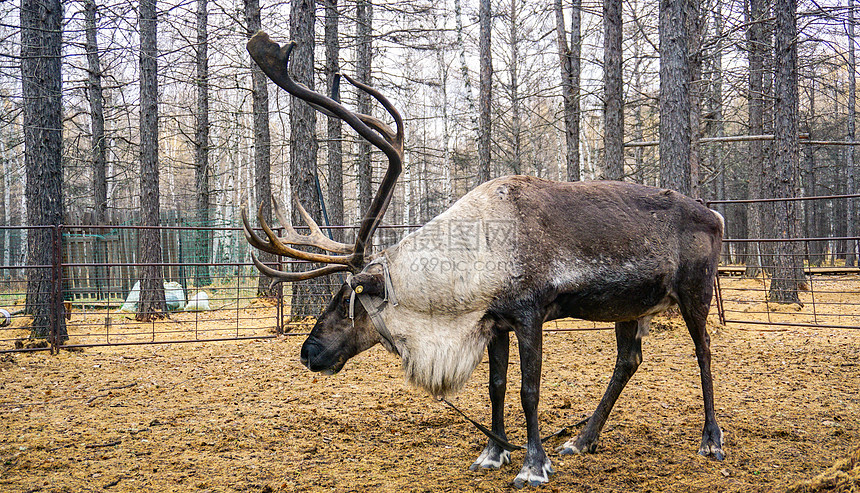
<point x="694" y="305"/>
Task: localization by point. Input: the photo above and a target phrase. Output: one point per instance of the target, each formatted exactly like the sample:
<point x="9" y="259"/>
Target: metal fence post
<point x="57" y="312"/>
<point x="279" y="312"/>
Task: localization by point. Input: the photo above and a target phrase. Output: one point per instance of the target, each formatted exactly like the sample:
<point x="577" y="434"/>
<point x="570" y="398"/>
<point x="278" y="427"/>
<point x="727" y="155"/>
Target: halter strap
<point x="374" y="305"/>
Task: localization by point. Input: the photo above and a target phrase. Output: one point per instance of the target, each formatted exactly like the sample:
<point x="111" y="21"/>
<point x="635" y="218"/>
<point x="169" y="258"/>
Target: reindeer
<point x="513" y="253"/>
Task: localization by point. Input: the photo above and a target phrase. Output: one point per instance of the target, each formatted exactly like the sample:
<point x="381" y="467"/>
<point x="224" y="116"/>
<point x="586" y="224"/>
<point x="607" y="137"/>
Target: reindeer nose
<point x="310" y="350"/>
<point x="303" y="356"/>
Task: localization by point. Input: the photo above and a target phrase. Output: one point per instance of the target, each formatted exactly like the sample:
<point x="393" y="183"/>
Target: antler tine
<point x="279" y="214"/>
<point x="252" y="237"/>
<point x="297" y="276"/>
<point x="323" y="241"/>
<point x="335" y="96"/>
<point x="316" y="239"/>
<point x="281" y="248"/>
<point x="274" y="59"/>
<point x="394" y="152"/>
<point x="395" y="138"/>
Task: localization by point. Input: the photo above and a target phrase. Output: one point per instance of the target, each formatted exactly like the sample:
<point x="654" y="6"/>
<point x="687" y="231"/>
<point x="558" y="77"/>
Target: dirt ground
<point x="246" y="416"/>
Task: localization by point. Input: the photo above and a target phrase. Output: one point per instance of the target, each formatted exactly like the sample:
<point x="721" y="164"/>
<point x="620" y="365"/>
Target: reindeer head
<point x="338" y="334"/>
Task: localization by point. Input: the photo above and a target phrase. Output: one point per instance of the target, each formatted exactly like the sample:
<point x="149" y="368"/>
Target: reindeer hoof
<point x="572" y="450"/>
<point x="535" y="475"/>
<point x="493" y="457"/>
<point x="712" y="442"/>
<point x="712" y="451"/>
<point x="574" y="447"/>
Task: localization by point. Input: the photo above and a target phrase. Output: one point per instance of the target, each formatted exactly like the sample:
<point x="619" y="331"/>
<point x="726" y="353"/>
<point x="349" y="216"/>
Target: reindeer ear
<point x="369" y="284"/>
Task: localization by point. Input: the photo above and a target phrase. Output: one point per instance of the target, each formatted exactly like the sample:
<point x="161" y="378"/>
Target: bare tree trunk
<point x="695" y="32"/>
<point x="364" y="56"/>
<point x="788" y="267"/>
<point x="575" y="85"/>
<point x="821" y="216"/>
<point x="638" y="135"/>
<point x="41" y="30"/>
<point x="570" y="67"/>
<point x="309" y="297"/>
<point x="486" y="91"/>
<point x="447" y="163"/>
<point x="516" y="123"/>
<point x="637" y="86"/>
<point x="755" y="46"/>
<point x="4" y="205"/>
<point x="813" y="211"/>
<point x="675" y="132"/>
<point x="262" y="140"/>
<point x="97" y="116"/>
<point x="715" y="109"/>
<point x="464" y="67"/>
<point x="768" y="166"/>
<point x="12" y="171"/>
<point x="152" y="304"/>
<point x="714" y="125"/>
<point x="834" y="179"/>
<point x="613" y="97"/>
<point x="334" y="128"/>
<point x="201" y="147"/>
<point x="98" y="138"/>
<point x="851" y="216"/>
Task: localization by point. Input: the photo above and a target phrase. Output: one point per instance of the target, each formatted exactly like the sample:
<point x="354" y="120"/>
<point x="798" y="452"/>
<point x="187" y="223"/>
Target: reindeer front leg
<point x="537" y="466"/>
<point x="629" y="343"/>
<point x="494" y="456"/>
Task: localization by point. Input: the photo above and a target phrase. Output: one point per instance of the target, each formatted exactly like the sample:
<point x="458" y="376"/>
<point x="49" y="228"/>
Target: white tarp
<point x="174" y="295"/>
<point x="198" y="303"/>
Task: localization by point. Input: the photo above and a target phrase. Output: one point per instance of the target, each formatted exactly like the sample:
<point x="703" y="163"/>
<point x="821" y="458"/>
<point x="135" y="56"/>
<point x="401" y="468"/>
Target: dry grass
<point x="246" y="416"/>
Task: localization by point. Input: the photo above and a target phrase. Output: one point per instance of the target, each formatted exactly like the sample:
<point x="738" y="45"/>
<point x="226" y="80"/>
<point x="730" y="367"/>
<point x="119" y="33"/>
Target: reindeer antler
<point x="274" y="61"/>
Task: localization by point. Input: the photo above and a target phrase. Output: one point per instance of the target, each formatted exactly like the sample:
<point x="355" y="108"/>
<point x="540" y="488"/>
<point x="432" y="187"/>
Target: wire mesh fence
<point x="213" y="292"/>
<point x="97" y="299"/>
<point x="827" y="296"/>
<point x="16" y="277"/>
<point x="809" y="277"/>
